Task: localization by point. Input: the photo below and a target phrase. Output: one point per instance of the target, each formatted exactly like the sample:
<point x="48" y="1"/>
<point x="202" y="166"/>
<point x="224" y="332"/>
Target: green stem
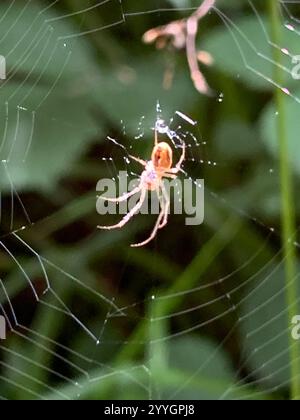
<point x="286" y="185"/>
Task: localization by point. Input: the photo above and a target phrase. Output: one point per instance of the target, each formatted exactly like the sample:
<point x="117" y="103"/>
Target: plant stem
<point x="286" y="184"/>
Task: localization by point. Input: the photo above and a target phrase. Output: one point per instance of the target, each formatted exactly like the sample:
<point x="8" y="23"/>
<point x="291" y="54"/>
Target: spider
<point x="159" y="167"/>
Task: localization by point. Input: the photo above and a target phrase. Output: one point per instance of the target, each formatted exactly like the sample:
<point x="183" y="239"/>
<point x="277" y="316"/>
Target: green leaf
<point x="264" y="329"/>
<point x="134" y="89"/>
<point x="236" y="140"/>
<point x="46" y="106"/>
<point x="200" y="359"/>
<point x="32" y="41"/>
<point x="40" y="145"/>
<point x="243" y="50"/>
<point x="56" y="90"/>
<point x="269" y="130"/>
<point x="192" y="354"/>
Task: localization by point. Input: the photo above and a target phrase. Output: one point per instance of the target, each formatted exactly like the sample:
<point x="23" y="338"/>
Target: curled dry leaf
<point x="181" y="34"/>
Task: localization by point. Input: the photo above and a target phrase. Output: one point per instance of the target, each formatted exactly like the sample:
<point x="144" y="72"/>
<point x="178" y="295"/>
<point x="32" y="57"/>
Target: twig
<point x="181" y="34"/>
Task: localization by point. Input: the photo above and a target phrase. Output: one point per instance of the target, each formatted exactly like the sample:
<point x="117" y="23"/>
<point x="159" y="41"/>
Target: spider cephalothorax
<point x="159" y="167"/>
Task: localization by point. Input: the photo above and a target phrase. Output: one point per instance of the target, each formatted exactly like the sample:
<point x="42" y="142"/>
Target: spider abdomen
<point x="162" y="157"/>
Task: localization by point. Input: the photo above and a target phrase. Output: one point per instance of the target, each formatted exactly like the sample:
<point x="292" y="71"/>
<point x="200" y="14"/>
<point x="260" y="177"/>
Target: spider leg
<point x="129" y="215"/>
<point x="141" y="161"/>
<point x="153" y="234"/>
<point x="177" y="168"/>
<point x="166" y="175"/>
<point x="166" y="207"/>
<point x="162" y="218"/>
<point x="123" y="197"/>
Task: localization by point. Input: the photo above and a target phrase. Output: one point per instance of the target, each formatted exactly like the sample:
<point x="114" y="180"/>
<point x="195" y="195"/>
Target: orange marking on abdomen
<point x="162" y="156"/>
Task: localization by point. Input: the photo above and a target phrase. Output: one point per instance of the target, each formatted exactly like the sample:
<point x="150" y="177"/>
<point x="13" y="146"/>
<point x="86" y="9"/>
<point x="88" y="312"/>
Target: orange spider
<point x="159" y="167"/>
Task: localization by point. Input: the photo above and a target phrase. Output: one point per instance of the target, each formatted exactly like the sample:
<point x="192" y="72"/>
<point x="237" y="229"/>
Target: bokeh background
<point x="206" y="313"/>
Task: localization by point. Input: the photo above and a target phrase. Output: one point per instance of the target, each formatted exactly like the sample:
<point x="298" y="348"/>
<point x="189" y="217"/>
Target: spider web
<point x="64" y="318"/>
